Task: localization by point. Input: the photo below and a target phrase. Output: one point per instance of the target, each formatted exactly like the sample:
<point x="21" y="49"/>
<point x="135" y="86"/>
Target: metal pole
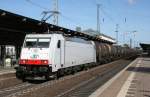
<point x="117" y="26"/>
<point x="124" y="38"/>
<point x="134" y="32"/>
<point x="98" y="19"/>
<point x="3" y="53"/>
<point x="55" y="11"/>
<point x="130" y="42"/>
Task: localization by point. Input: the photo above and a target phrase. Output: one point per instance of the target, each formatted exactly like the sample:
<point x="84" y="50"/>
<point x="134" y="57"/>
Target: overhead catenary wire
<point x="46" y="18"/>
<point x="74" y="22"/>
<point x="111" y="18"/>
<point x="36" y="4"/>
<point x="95" y="2"/>
<point x="108" y="15"/>
<point x="67" y="18"/>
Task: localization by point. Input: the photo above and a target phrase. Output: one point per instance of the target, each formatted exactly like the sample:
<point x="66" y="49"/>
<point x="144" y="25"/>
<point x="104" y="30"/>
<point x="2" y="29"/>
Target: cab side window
<point x="58" y="44"/>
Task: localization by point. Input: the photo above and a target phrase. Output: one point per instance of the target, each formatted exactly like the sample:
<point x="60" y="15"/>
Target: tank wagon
<point x="53" y="55"/>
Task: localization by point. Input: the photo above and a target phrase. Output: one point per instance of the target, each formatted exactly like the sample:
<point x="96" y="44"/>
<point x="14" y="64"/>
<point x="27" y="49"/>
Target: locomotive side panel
<point x="79" y="53"/>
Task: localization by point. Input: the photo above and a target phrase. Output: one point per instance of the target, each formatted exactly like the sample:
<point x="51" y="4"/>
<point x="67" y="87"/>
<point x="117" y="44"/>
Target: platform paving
<point x="6" y="70"/>
<point x="133" y="81"/>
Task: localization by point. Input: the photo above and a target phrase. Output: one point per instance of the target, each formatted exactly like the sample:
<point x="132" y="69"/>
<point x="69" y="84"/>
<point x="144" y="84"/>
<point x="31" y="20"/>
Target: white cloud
<point x="131" y="1"/>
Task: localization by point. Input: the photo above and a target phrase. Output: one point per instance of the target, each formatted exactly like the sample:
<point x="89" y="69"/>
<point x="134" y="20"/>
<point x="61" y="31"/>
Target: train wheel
<point x="18" y="75"/>
<point x="24" y="79"/>
<point x="60" y="73"/>
<point x="56" y="75"/>
<point x="86" y="67"/>
<point x="47" y="77"/>
<point x="74" y="70"/>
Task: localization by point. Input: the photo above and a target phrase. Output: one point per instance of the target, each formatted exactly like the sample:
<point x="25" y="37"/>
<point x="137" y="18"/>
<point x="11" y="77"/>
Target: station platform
<point x="132" y="81"/>
<point x="6" y="70"/>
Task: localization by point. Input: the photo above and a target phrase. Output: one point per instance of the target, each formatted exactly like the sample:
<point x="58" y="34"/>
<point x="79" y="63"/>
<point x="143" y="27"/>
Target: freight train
<point x="53" y="55"/>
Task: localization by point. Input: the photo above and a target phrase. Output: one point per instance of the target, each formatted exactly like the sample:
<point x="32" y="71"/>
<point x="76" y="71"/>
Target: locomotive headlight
<point x="22" y="61"/>
<point x="45" y="62"/>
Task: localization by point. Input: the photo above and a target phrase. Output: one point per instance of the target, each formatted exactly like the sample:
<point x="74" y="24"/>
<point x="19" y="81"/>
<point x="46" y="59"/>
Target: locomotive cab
<point x="41" y="56"/>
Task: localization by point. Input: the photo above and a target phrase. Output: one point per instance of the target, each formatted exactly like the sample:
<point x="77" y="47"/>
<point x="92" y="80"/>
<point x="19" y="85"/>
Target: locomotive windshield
<point x="43" y="43"/>
<point x="37" y="42"/>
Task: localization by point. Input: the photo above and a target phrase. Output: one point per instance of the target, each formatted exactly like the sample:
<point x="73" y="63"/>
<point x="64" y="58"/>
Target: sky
<point x="132" y="16"/>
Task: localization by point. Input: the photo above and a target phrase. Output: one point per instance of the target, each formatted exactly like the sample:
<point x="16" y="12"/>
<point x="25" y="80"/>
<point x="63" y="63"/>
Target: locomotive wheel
<point x="86" y="67"/>
<point x="18" y="75"/>
<point x="74" y="70"/>
<point x="47" y="77"/>
<point x="24" y="79"/>
<point x="60" y="73"/>
<point x="56" y="75"/>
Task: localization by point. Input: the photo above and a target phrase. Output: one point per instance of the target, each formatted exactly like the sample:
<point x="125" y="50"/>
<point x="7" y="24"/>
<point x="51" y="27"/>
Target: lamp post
<point x="117" y="27"/>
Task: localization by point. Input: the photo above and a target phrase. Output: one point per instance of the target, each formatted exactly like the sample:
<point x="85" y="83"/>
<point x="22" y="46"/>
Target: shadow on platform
<point x="145" y="95"/>
<point x="139" y="69"/>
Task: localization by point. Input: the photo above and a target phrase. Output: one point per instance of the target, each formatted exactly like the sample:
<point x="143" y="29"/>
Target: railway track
<point x="86" y="88"/>
<point x="78" y="85"/>
<point x="3" y="76"/>
<point x="10" y="90"/>
<point x="8" y="80"/>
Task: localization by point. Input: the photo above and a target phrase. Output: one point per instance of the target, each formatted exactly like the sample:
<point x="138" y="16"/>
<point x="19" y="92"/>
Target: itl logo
<point x="34" y="56"/>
